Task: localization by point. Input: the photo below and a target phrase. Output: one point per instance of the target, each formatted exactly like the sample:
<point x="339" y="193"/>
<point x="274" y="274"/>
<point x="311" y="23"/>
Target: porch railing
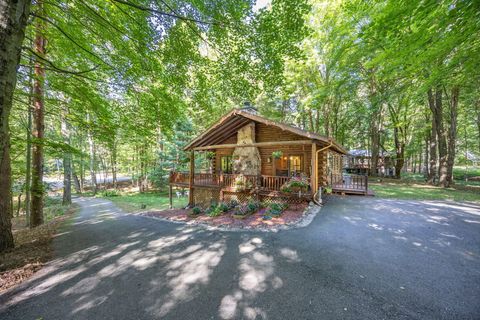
<point x="348" y="182"/>
<point x="272" y="183"/>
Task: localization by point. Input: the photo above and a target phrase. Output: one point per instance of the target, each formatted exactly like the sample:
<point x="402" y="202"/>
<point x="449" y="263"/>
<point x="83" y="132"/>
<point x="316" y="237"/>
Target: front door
<point x="289" y="165"/>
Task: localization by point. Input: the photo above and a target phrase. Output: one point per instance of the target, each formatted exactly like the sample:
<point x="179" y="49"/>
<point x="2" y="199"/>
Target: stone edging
<point x="307" y="217"/>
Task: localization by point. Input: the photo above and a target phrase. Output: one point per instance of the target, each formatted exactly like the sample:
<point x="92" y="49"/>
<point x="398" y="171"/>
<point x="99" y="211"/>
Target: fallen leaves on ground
<point x="32" y="250"/>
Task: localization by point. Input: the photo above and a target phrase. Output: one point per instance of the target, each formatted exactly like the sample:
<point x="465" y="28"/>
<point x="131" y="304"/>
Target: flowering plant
<point x="241" y="183"/>
<point x="295" y="184"/>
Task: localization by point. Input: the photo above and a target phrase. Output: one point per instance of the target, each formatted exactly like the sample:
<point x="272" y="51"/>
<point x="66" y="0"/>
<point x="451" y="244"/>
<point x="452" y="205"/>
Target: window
<point x="226" y="164"/>
<point x="295" y="164"/>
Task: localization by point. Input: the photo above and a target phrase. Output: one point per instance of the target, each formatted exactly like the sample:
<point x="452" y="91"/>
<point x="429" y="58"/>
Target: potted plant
<point x="295" y="184"/>
<point x="298" y="184"/>
<point x="241" y="183"/>
<point x="277" y="154"/>
<point x="210" y="155"/>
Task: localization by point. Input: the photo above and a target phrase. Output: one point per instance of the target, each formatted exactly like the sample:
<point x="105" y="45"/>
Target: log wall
<point x="265" y="133"/>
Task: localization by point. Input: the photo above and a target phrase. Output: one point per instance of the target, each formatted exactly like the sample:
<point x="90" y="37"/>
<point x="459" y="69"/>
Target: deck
<point x="349" y="184"/>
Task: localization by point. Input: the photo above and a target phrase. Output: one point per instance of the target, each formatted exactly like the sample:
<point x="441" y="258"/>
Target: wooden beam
<point x="229" y="129"/>
<point x="191" y="180"/>
<point x="258" y="144"/>
<point x="313" y="173"/>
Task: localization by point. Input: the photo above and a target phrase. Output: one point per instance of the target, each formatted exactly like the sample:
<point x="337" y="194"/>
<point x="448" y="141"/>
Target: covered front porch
<point x="230" y="182"/>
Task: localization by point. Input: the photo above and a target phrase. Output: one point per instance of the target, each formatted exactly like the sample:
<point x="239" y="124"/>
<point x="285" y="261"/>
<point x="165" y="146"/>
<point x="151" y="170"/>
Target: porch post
<point x="313" y="173"/>
<point x="191" y="178"/>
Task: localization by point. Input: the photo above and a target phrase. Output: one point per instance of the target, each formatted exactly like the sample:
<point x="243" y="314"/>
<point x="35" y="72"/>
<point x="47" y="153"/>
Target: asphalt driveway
<point x="361" y="258"/>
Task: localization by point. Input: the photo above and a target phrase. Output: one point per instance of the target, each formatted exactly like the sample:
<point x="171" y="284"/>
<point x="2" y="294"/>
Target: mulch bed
<point x="255" y="221"/>
<point x="32" y="250"/>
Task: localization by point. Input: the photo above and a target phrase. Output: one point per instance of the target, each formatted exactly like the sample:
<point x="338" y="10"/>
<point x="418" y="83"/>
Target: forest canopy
<point x="120" y="86"/>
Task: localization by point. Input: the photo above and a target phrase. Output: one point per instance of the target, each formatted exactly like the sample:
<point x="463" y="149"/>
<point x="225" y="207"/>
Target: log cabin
<point x="256" y="158"/>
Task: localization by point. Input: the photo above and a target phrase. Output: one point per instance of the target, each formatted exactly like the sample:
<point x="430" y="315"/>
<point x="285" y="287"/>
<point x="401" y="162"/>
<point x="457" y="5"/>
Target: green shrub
<point x="295" y="184"/>
<point x="214" y="212"/>
<point x="276" y="209"/>
<point x="224" y="207"/>
<point x="242" y="210"/>
<point x="253" y="206"/>
<point x="110" y="193"/>
<point x="233" y="203"/>
<point x="197" y="210"/>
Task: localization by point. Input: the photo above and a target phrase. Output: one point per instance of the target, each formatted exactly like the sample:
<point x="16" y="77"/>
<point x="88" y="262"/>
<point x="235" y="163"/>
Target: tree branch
<point x="55" y="68"/>
<point x="142" y="8"/>
<point x="71" y="39"/>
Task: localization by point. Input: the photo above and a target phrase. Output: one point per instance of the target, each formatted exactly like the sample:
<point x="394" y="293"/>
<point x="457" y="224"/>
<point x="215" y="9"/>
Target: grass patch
<point x="418" y="191"/>
<point x="135" y="201"/>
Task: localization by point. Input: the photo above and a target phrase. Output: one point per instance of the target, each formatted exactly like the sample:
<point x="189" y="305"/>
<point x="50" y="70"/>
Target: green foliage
<point x="53" y="208"/>
<point x="110" y="193"/>
<point x="277" y="154"/>
<point x="246" y="209"/>
<point x="197" y="211"/>
<point x="132" y="202"/>
<point x="242" y="210"/>
<point x="224" y="207"/>
<point x="232" y="204"/>
<point x="253" y="206"/>
<point x="295" y="184"/>
<point x="276" y="209"/>
<point x="214" y="211"/>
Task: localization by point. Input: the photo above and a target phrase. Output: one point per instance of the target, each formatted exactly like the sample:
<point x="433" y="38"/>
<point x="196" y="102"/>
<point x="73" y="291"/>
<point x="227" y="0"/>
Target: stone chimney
<point x="246" y="159"/>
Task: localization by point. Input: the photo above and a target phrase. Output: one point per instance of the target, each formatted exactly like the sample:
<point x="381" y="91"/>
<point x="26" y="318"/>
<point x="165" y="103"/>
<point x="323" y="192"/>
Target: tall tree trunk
<point x="426" y="171"/>
<point x="399" y="153"/>
<point x="414" y="163"/>
<point x="114" y="164"/>
<point x="452" y="134"/>
<point x="76" y="182"/>
<point x="36" y="216"/>
<point x="419" y="170"/>
<point x="441" y="136"/>
<point x="28" y="156"/>
<point x="478" y="122"/>
<point x="375" y="149"/>
<point x="67" y="163"/>
<point x="19" y="203"/>
<point x="82" y="172"/>
<point x="433" y="141"/>
<point x="13" y="17"/>
<point x="93" y="174"/>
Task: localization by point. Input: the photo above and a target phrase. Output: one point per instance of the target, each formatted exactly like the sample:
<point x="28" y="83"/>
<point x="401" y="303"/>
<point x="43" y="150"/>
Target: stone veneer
<point x="246" y="159"/>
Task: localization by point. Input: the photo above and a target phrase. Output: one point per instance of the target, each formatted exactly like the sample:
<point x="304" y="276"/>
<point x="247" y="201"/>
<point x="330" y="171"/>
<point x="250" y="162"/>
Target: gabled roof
<point x="236" y="119"/>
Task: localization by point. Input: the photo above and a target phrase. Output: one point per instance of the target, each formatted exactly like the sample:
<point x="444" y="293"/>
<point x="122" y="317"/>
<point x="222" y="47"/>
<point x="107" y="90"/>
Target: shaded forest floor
<point x="33" y="247"/>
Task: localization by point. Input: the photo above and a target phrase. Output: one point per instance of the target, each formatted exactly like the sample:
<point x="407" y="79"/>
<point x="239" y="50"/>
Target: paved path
<point x="361" y="258"/>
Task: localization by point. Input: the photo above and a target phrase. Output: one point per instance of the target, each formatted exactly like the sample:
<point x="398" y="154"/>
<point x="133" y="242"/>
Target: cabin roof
<point x="236" y="119"/>
<point x="366" y="153"/>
